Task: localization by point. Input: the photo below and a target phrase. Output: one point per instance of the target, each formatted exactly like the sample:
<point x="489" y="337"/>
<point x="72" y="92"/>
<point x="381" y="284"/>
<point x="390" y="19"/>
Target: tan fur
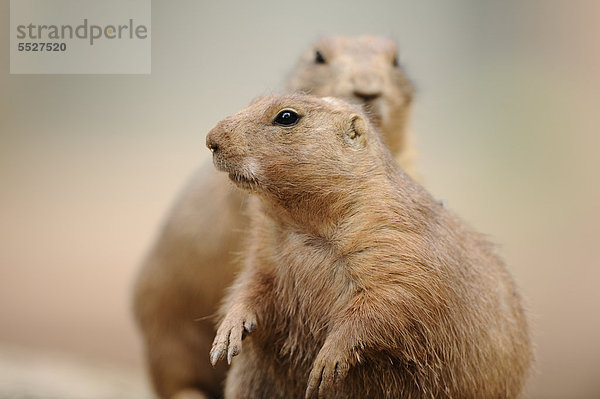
<point x="194" y="258"/>
<point x="359" y="67"/>
<point x="356" y="282"/>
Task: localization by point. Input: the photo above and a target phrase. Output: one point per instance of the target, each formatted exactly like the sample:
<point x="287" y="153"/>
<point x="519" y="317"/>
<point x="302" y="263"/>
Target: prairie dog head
<point x="295" y="146"/>
<point x="362" y="70"/>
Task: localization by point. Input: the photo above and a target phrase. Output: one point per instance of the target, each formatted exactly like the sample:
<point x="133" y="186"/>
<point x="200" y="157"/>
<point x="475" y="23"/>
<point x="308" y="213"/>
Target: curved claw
<point x="313" y="381"/>
<point x="219" y="348"/>
<point x="324" y="375"/>
<point x="228" y="341"/>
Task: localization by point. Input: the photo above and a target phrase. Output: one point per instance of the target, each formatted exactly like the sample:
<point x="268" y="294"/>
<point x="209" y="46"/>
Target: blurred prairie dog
<point x="195" y="255"/>
<point x="356" y="282"/>
<point x="365" y="71"/>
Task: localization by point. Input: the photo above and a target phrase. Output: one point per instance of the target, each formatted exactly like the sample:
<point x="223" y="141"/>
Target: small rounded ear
<point x="357" y="133"/>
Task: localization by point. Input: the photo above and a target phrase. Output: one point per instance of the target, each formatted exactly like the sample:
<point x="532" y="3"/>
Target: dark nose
<point x="367" y="85"/>
<point x="211" y="142"/>
<point x="367" y="96"/>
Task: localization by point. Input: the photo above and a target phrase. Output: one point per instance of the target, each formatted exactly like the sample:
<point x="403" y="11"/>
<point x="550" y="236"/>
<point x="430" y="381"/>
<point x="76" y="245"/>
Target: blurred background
<point x="506" y="120"/>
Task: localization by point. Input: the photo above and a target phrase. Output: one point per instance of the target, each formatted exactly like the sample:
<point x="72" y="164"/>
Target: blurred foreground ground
<point x="28" y="374"/>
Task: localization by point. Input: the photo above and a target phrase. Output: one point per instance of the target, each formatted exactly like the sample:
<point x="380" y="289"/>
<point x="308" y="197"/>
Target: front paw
<point x="329" y="368"/>
<point x="229" y="336"/>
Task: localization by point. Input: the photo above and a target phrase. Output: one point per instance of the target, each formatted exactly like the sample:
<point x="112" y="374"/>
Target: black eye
<point x="319" y="58"/>
<point x="287" y="117"/>
<point x="395" y="61"/>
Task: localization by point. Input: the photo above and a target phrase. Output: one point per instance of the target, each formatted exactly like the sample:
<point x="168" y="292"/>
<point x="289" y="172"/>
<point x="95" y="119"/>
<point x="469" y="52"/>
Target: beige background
<point x="507" y="121"/>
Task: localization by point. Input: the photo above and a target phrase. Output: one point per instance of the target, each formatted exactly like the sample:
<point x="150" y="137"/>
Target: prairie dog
<point x="194" y="257"/>
<point x="356" y="282"/>
<point x="366" y="71"/>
